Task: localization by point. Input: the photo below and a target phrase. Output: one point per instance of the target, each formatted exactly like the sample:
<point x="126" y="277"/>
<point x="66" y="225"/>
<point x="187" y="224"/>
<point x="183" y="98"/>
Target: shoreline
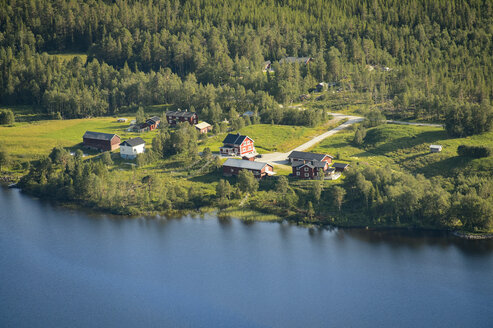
<point x="200" y="211"/>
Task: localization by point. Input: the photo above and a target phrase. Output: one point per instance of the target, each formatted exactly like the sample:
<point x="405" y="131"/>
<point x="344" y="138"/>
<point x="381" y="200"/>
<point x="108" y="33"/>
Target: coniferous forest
<point x="209" y="54"/>
<point x="425" y="60"/>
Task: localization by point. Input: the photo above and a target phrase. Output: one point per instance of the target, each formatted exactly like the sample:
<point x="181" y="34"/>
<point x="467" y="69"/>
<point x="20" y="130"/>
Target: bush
<point x="6" y="117"/>
<point x="473" y="151"/>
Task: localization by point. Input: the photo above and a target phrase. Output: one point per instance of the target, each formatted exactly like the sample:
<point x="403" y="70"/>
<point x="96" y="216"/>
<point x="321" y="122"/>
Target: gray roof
<point x="340" y="165"/>
<point x="292" y="60"/>
<point x="245" y="164"/>
<point x="180" y="113"/>
<point x="133" y="142"/>
<point x="307" y="156"/>
<point x="99" y="135"/>
<point x="155" y="119"/>
<point x="234" y="139"/>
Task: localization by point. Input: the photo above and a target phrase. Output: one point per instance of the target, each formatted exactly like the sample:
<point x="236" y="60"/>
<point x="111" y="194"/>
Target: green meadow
<point x="408" y="147"/>
<point x="30" y="140"/>
<point x="272" y="138"/>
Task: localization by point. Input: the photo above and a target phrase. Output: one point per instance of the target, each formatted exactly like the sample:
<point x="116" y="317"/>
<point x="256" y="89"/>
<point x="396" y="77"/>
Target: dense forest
<point x="207" y="55"/>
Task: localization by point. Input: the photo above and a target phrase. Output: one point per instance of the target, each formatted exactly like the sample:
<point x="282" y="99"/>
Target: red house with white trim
<point x="237" y="145"/>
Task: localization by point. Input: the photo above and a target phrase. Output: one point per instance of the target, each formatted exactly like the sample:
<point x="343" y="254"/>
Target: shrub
<point x="473" y="151"/>
<point x="6" y="117"/>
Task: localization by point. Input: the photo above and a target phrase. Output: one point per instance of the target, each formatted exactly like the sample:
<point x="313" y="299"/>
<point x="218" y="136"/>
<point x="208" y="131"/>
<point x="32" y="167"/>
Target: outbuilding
<point x="435" y="148"/>
<point x="203" y="127"/>
<point x="233" y="166"/>
<point x="101" y="141"/>
<point x="132" y="147"/>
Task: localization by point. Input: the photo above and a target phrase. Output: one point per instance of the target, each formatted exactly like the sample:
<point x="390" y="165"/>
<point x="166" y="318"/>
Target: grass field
<point x="408" y="147"/>
<point x="272" y="138"/>
<point x="69" y="56"/>
<point x="26" y="141"/>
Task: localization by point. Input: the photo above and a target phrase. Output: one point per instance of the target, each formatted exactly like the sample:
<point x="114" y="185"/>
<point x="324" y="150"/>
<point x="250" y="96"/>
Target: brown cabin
<point x="101" y="141"/>
<point x="175" y="117"/>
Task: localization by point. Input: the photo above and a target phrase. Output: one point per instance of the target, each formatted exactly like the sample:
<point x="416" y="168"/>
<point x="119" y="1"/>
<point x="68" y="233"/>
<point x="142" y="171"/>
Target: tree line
<point x="416" y="59"/>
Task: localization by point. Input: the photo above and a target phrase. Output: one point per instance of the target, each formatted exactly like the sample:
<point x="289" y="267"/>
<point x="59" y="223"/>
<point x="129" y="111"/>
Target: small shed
<point x="435" y="148"/>
<point x="340" y="167"/>
<point x="121" y="120"/>
<point x="203" y="127"/>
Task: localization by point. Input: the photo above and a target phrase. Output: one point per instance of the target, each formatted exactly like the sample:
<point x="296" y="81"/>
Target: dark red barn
<point x="101" y="141"/>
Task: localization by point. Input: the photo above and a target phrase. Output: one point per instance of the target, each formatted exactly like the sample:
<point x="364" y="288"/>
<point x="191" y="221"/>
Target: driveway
<point x="281" y="158"/>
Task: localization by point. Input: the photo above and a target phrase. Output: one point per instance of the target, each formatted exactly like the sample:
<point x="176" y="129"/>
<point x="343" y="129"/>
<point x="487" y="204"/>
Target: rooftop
<point x="179" y="113"/>
<point x="202" y="125"/>
<point x="234" y="139"/>
<point x="133" y="142"/>
<point x="98" y="135"/>
<point x="244" y="164"/>
<point x="307" y="156"/>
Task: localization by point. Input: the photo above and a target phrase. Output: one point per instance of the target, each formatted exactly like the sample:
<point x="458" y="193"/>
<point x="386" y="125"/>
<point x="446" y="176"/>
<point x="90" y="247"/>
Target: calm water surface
<point x="63" y="268"/>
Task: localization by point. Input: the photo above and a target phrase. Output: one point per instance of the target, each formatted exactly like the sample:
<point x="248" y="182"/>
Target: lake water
<point x="65" y="268"/>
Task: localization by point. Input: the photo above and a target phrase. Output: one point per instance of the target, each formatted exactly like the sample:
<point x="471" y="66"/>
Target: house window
<point x="307" y="175"/>
<point x="298" y="173"/>
<point x="306" y="169"/>
<point x="244" y="149"/>
<point x="232" y="170"/>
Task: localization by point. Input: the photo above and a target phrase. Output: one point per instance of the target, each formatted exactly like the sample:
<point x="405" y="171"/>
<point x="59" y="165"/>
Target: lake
<point x="67" y="268"/>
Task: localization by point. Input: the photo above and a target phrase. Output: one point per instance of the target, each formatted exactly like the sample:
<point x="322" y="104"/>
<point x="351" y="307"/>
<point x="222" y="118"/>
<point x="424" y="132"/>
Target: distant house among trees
<point x="153" y="122"/>
<point x="101" y="141"/>
<point x="175" y="117"/>
<point x="203" y="127"/>
<point x="237" y="145"/>
<point x="132" y="147"/>
<point x="233" y="166"/>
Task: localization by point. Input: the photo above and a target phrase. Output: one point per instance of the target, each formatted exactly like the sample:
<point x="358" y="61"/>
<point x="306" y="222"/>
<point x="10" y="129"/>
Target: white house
<point x="131" y="147"/>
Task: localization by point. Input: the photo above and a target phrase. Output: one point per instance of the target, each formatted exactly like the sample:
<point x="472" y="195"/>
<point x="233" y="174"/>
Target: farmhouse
<point x="309" y="165"/>
<point x="237" y="145"/>
<point x="435" y="148"/>
<point x="131" y="147"/>
<point x="101" y="141"/>
<point x="175" y="117"/>
<point x="233" y="166"/>
<point x="203" y="127"/>
<point x="153" y="122"/>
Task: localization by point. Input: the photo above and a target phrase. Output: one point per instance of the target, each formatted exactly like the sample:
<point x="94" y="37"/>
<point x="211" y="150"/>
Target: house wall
<point x="305" y="172"/>
<point x="173" y="120"/>
<point x="131" y="152"/>
<point x="103" y="145"/>
<point x="229" y="171"/>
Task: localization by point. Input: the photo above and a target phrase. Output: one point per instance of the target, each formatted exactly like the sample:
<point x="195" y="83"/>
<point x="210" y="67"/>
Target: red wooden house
<point x="101" y="141"/>
<point x="309" y="165"/>
<point x="175" y="117"/>
<point x="233" y="166"/>
<point x="237" y="145"/>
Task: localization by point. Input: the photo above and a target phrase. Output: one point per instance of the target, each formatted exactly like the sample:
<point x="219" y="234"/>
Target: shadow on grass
<point x="408" y="142"/>
<point x="447" y="167"/>
<point x="211" y="177"/>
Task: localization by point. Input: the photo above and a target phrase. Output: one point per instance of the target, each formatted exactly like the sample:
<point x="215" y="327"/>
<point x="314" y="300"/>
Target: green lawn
<point x="272" y="138"/>
<point x="30" y="140"/>
<point x="408" y="147"/>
